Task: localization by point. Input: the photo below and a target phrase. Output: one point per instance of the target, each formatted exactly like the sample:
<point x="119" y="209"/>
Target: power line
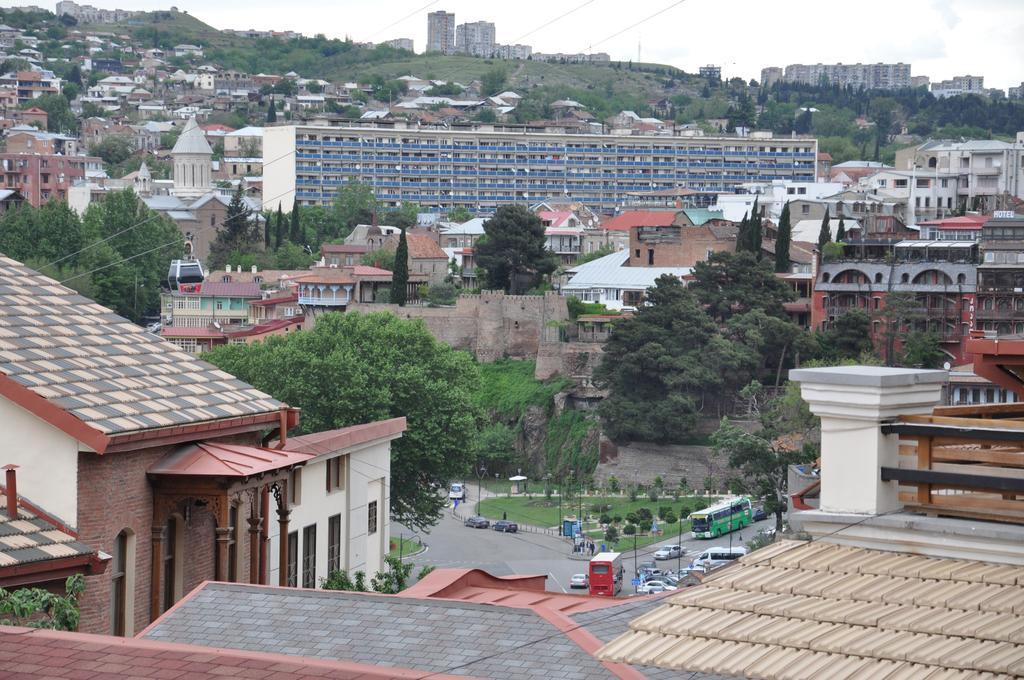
<point x="410" y="14"/>
<point x="558" y="18"/>
<point x="632" y="26"/>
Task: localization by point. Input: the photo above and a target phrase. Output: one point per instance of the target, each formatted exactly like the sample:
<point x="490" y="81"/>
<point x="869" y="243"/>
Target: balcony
<point x="965" y="461"/>
<point x="998" y="314"/>
<point x="324" y="301"/>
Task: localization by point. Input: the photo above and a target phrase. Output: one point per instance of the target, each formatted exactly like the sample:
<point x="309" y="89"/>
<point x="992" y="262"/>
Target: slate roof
<point x="28" y="539"/>
<point x="104" y="370"/>
<point x="639" y="218"/>
<point x="483" y="641"/>
<point x="814" y="609"/>
<point x="611" y="271"/>
<point x="192" y="140"/>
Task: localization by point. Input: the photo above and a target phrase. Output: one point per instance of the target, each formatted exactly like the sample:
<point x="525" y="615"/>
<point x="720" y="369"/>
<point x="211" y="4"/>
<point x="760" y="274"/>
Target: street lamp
<point x="479" y="483"/>
<point x="401" y="543"/>
<point x="636" y="565"/>
<point x="679" y="543"/>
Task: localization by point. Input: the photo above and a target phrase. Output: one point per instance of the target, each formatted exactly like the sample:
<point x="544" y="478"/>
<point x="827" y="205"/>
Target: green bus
<point x="727" y="515"/>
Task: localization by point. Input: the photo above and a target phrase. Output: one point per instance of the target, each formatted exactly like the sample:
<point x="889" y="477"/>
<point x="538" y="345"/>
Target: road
<point x="450" y="544"/>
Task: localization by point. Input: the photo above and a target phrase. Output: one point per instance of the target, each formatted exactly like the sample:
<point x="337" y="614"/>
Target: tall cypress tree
<point x="400" y="275"/>
<point x="754" y="228"/>
<point x="825" y="235"/>
<point x="743" y="237"/>
<point x="272" y="111"/>
<point x="841" y="230"/>
<point x="783" y="241"/>
<point x="279" y="235"/>
<point x="296" y="233"/>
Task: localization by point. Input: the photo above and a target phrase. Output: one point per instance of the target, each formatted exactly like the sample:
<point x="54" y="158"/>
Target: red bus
<point x="606" y="574"/>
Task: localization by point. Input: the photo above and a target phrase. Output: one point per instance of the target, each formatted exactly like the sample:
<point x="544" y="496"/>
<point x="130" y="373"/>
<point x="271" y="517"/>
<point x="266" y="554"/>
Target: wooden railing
<point x="965" y="461"/>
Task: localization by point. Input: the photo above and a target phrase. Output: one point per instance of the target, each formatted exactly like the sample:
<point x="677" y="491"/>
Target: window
<point x="637" y="255"/>
<point x="923" y="183"/>
<point x="944" y="183"/>
<point x="174" y="536"/>
<point x="805" y="210"/>
<point x="122" y="577"/>
<point x="309" y="557"/>
<point x="295" y="486"/>
<point x="333" y="543"/>
<point x="336" y="474"/>
<point x="220" y="305"/>
<point x="371" y="517"/>
<point x="881" y="183"/>
<point x="293" y="559"/>
<point x="650" y="256"/>
<point x="899" y="183"/>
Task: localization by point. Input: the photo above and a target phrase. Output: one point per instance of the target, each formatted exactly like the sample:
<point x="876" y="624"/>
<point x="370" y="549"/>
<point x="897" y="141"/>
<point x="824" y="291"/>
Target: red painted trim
<point x="43" y="409"/>
<point x="51" y="570"/>
<point x="798" y="497"/>
<point x="587" y="641"/>
<point x="186" y="433"/>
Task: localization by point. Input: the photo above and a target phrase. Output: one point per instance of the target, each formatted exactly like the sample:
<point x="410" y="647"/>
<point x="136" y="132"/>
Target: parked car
<point x="457" y="492"/>
<point x="507" y="526"/>
<point x="760" y="514"/>
<point x="579" y="581"/>
<point x="478" y="522"/>
<point x="649" y="587"/>
<point x="644" y="565"/>
<point x="668" y="552"/>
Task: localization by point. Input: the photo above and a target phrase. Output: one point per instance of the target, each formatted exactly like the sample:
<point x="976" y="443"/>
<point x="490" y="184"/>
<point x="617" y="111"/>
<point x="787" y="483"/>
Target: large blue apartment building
<point x="484" y="167"/>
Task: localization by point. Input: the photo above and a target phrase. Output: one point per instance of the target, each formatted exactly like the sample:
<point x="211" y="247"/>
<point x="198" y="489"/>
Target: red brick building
<point x="40" y="177"/>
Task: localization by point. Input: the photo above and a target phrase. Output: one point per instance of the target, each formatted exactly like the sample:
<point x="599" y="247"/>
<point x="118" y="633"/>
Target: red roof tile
<point x="424" y="248"/>
<point x="36" y="654"/>
<point x="342" y="248"/>
<point x="639" y="218"/>
<point x="972" y="222"/>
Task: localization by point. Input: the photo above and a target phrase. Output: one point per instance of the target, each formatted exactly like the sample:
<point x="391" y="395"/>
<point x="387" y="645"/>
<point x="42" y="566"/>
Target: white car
<point x="579" y="581"/>
<point x="648" y="587"/>
<point x="669" y="552"/>
<point x="457" y="492"/>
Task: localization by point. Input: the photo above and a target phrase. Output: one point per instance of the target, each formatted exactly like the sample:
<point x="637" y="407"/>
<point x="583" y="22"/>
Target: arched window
<point x="905" y="278"/>
<point x="932" y="162"/>
<point x="961" y="278"/>
<point x="174" y="548"/>
<point x="122" y="584"/>
<point x="825" y="277"/>
<point x="878" y="277"/>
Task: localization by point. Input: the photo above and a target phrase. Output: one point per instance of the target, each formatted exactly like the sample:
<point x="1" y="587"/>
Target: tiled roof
<point x="329" y="441"/>
<point x="102" y="370"/>
<point x="29" y="539"/>
<point x="814" y="610"/>
<point x="478" y="640"/>
<point x="37" y="654"/>
<point x="213" y="459"/>
<point x="424" y="248"/>
<point x="343" y="248"/>
<point x="639" y="218"/>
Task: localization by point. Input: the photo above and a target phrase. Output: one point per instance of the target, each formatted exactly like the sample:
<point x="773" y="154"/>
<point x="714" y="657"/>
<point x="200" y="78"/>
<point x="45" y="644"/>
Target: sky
<point x="939" y="38"/>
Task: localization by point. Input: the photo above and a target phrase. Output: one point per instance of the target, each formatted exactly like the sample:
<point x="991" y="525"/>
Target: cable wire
<point x="410" y="14"/>
<point x="548" y="23"/>
<point x="632" y="26"/>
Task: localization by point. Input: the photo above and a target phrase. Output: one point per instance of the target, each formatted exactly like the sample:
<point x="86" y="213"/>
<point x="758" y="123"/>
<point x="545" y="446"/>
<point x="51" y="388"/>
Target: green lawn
<point x="408" y="546"/>
<point x="543" y="512"/>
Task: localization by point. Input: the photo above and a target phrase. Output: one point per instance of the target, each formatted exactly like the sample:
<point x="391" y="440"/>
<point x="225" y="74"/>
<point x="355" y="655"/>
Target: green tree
<point x="279" y="228"/>
<point x="271" y="111"/>
<point x="382" y="259"/>
<point x="355" y="368"/>
<point x="238" y="233"/>
<point x="400" y="275"/>
<point x="129" y="247"/>
<point x="782" y="243"/>
<point x="114" y="149"/>
<point x="459" y="214"/>
<point x="743" y="235"/>
<point x="736" y="283"/>
<point x="60" y="117"/>
<point x="841" y="231"/>
<point x="295" y="234"/>
<point x="268" y="222"/>
<point x="49" y="233"/>
<point x="40" y="608"/>
<point x="292" y="256"/>
<point x="922" y="349"/>
<point x="901" y="310"/>
<point x="848" y="337"/>
<point x="756" y="236"/>
<point x="655" y="365"/>
<point x="825" y="233"/>
<point x="762" y="460"/>
<point x="512" y="251"/>
<point x="353" y="204"/>
<point x="493" y="81"/>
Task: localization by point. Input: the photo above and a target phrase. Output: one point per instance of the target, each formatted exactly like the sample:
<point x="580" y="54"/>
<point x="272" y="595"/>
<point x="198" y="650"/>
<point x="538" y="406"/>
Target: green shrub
<point x="605" y="519"/>
<point x="632" y="518"/>
<point x="629" y="530"/>
<point x="634" y="493"/>
<point x="669" y="518"/>
<point x="613" y="484"/>
<point x="659" y="483"/>
<point x="611" y="535"/>
<point x="617" y="519"/>
<point x="663" y="510"/>
<point x="653" y="495"/>
<point x="645" y="515"/>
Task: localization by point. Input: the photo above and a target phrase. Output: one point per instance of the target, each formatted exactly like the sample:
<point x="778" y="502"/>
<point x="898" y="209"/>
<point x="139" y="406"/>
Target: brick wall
<point x="114" y="494"/>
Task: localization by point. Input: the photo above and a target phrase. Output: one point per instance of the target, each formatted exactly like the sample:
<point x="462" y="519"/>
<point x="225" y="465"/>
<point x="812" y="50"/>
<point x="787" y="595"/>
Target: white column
<point x="853" y="403"/>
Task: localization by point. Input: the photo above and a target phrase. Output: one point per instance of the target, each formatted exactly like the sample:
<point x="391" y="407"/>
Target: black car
<point x="506" y="526"/>
<point x="477" y="523"/>
<point x="760" y="514"/>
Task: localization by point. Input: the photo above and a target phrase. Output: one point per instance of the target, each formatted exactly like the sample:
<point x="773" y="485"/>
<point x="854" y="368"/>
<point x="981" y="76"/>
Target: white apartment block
<point x="475" y="39"/>
<point x="87" y="14"/>
<point x="441" y="32"/>
<point x="1016" y="92"/>
<point x="512" y="51"/>
<point x="959" y="85"/>
<point x="482" y="167"/>
<point x="989" y="172"/>
<point x="400" y="44"/>
<point x="869" y="76"/>
<point x="339" y="503"/>
<point x="927" y="194"/>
